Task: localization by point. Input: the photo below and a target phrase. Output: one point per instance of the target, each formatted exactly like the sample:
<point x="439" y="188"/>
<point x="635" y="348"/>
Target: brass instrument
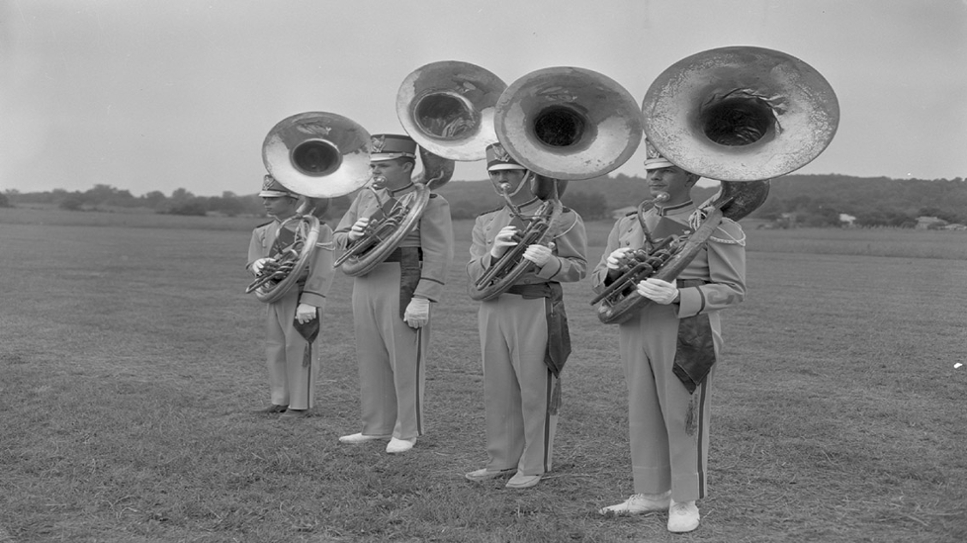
<point x="511" y="265"/>
<point x="741" y="115"/>
<point x="560" y="123"/>
<point x="447" y="108"/>
<point x="666" y="258"/>
<point x="568" y="123"/>
<point x="318" y="155"/>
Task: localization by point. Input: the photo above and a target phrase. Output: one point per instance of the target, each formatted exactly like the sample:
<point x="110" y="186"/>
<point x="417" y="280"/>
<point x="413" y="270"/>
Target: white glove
<point x="417" y="312"/>
<point x="305" y="313"/>
<point x="358" y="229"/>
<point x="258" y="265"/>
<point x="616" y="256"/>
<point x="503" y="241"/>
<point x="658" y="291"/>
<point x="538" y="254"/>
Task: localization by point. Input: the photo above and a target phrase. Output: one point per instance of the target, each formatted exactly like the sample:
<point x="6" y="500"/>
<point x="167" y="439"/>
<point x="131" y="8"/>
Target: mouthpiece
<point x="505" y="187"/>
<point x="661" y="197"/>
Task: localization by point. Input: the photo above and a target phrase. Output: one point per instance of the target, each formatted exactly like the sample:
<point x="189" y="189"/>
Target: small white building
<point x="924" y="223"/>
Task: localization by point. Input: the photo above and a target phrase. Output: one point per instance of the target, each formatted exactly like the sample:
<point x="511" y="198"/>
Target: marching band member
<point x="391" y="304"/>
<point x="292" y="322"/>
<point x="523" y="332"/>
<point x="669" y="348"/>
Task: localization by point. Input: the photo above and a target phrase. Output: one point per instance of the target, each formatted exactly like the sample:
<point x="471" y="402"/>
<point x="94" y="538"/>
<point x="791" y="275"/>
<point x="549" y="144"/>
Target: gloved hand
<point x="305" y="313"/>
<point x="539" y="254"/>
<point x="503" y="241"/>
<point x="616" y="257"/>
<point x="259" y="264"/>
<point x="658" y="291"/>
<point x="417" y="312"/>
<point x="358" y="229"/>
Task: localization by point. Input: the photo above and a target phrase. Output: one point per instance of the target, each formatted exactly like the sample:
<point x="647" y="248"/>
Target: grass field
<point x="132" y="369"/>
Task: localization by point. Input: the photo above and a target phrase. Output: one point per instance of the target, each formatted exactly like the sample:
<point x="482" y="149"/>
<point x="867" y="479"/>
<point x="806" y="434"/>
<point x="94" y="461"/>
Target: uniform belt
<point x="532" y="290"/>
<point x="397" y="255"/>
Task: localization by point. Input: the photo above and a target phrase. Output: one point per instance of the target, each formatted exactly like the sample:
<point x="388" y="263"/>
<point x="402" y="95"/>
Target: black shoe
<point x="295" y="414"/>
<point x="274" y="409"/>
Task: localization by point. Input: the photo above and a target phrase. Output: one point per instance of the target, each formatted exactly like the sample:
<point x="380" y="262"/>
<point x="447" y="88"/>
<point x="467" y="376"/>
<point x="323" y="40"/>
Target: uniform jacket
<point x="568" y="262"/>
<point x="433" y="234"/>
<point x="721" y="263"/>
<point x="320" y="270"/>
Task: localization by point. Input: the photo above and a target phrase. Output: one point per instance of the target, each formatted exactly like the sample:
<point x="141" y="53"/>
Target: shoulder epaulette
<point x="490" y="211"/>
<point x="265" y="224"/>
<point x="630" y="213"/>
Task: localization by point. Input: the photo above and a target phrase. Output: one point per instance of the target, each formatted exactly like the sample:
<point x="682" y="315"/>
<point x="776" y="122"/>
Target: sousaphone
<point x="318" y="155"/>
<point x="741" y="115"/>
<point x="561" y="123"/>
<point x="447" y="108"/>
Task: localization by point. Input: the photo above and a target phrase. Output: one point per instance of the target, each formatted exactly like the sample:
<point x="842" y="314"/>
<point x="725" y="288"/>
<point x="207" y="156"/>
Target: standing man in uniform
<point x="292" y="322"/>
<point x="523" y="332"/>
<point x="391" y="304"/>
<point x="669" y="348"/>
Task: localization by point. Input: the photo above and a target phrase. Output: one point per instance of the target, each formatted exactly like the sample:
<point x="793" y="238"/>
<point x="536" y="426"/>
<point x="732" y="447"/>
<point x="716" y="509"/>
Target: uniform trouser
<point x="668" y="427"/>
<point x="290" y="382"/>
<point x="517" y="384"/>
<point x="391" y="356"/>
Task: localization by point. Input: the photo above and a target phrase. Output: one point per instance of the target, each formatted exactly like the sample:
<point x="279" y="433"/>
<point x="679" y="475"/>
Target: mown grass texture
<point x="132" y="369"/>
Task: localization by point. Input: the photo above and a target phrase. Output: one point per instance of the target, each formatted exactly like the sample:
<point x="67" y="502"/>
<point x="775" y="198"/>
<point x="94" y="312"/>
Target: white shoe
<point x="521" y="481"/>
<point x="485" y="474"/>
<point x="400" y="445"/>
<point x="360" y="438"/>
<point x="682" y="517"/>
<point x="639" y="503"/>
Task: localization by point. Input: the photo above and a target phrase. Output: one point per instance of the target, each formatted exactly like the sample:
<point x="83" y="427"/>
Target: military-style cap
<point x="390" y="146"/>
<point x="271" y="188"/>
<point x="654" y="160"/>
<point x="499" y="159"/>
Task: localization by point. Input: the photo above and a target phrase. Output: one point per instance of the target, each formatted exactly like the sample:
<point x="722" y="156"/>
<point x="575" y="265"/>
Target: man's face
<point x="673" y="180"/>
<point x="511" y="177"/>
<point x="396" y="172"/>
<point x="281" y="207"/>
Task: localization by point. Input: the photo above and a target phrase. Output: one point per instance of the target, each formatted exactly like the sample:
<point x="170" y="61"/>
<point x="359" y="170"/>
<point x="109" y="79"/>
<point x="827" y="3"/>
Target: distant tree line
<point x="181" y="202"/>
<point x="811" y="200"/>
<point x="818" y="200"/>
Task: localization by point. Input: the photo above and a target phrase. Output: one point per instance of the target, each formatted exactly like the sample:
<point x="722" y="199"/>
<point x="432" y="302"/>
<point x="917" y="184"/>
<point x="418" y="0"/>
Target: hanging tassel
<point x="690" y="422"/>
<point x="307" y="355"/>
<point x="555" y="398"/>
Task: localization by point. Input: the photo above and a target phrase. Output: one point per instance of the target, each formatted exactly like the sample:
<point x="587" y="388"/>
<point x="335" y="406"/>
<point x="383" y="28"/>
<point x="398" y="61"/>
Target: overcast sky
<point x="159" y="95"/>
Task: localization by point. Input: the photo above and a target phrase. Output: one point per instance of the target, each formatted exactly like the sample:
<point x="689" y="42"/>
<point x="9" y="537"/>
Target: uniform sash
<point x="409" y="275"/>
<point x="695" y="354"/>
<point x="283" y="238"/>
<point x="309" y="331"/>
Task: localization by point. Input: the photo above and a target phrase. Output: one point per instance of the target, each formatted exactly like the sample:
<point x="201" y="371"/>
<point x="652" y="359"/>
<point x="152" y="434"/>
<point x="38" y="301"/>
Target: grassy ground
<point x="132" y="371"/>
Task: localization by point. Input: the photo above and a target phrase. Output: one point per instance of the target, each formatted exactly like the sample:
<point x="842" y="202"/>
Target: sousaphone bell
<point x="740" y="115"/>
<point x="318" y="155"/>
<point x="561" y="123"/>
<point x="447" y="108"/>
